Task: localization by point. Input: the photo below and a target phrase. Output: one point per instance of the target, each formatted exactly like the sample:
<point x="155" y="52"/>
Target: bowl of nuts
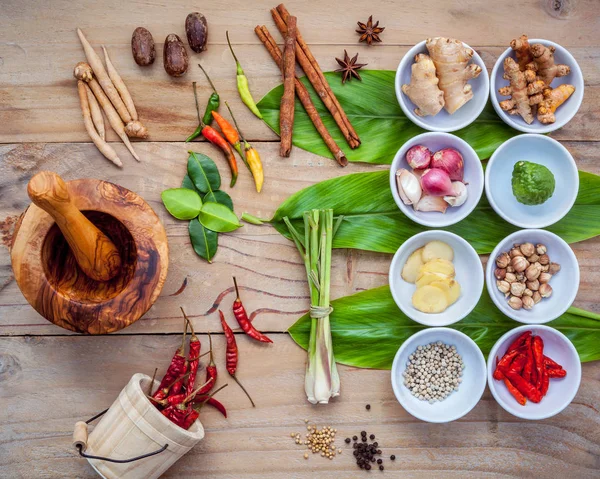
<point x="438" y="375"/>
<point x="532" y="276"/>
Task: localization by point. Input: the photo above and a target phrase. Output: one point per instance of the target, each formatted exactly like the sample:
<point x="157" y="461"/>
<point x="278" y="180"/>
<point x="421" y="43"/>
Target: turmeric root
<point x="451" y="59"/>
<point x="543" y="64"/>
<point x="524" y="91"/>
<point x="522" y="51"/>
<point x="553" y="98"/>
<point x="423" y="89"/>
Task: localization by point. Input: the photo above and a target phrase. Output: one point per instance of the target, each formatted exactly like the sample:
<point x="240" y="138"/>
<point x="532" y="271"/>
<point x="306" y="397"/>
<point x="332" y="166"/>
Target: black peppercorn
<point x="372" y="436"/>
<point x="347" y="440"/>
<point x="368" y="467"/>
<point x="355" y="438"/>
<point x="363" y="433"/>
<point x="368" y="406"/>
<point x="379" y="461"/>
<point x="364" y="439"/>
<point x="392" y="457"/>
<point x="378" y="451"/>
<point x="375" y="444"/>
<point x="381" y="468"/>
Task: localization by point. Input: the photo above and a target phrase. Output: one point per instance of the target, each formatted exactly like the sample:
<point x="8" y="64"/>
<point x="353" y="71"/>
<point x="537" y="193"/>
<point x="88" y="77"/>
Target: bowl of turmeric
<point x="442" y="84"/>
<point x="537" y="85"/>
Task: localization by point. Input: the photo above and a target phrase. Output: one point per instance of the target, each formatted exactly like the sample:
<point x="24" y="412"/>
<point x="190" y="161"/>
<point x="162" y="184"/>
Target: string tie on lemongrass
<point x="320" y="312"/>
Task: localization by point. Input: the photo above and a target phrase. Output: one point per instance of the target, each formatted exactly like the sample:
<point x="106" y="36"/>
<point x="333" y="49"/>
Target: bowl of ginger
<point x="442" y="84"/>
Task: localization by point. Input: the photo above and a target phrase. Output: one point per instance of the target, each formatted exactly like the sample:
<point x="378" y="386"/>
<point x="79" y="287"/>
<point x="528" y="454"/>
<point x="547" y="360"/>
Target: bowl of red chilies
<point x="534" y="371"/>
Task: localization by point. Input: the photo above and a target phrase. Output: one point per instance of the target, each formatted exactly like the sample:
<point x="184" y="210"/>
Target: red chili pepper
<point x="555" y="373"/>
<point x="529" y="365"/>
<point x="211" y="372"/>
<point x="193" y="356"/>
<point x="551" y="364"/>
<point x="515" y="392"/>
<point x="525" y="387"/>
<point x="545" y="382"/>
<point x="519" y="342"/>
<point x="503" y="364"/>
<point x="242" y="318"/>
<point x="231" y="356"/>
<point x="175" y="369"/>
<point x="178" y="386"/>
<point x="538" y="358"/>
<point x="216" y="139"/>
<point x="190" y="419"/>
<point x="214" y="403"/>
<point x="518" y="364"/>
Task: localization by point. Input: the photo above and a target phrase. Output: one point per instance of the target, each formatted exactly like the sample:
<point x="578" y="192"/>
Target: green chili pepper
<point x="213" y="102"/>
<point x="242" y="84"/>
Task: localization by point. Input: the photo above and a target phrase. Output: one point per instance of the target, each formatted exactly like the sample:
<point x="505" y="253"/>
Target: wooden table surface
<point x="50" y="378"/>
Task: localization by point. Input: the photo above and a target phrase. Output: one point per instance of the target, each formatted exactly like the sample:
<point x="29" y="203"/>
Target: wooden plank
<point x="39" y="102"/>
<point x="321" y="22"/>
<point x="264" y="262"/>
<point x="47" y="384"/>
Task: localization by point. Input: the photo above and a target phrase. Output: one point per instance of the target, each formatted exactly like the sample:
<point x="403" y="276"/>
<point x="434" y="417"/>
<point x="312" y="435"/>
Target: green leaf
<point x="372" y="221"/>
<point x="203" y="172"/>
<point x="182" y="203"/>
<point x="188" y="183"/>
<point x="368" y="328"/>
<point x="203" y="240"/>
<point x="219" y="196"/>
<point x="219" y="218"/>
<point x="373" y="110"/>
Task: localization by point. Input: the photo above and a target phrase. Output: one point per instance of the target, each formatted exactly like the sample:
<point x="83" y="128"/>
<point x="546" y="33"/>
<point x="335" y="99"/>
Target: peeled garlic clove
<point x="431" y="203"/>
<point x="459" y="196"/>
<point x="409" y="187"/>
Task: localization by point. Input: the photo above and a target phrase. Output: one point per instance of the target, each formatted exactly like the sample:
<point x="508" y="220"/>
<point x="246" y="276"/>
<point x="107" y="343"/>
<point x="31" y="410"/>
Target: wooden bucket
<point x="132" y="427"/>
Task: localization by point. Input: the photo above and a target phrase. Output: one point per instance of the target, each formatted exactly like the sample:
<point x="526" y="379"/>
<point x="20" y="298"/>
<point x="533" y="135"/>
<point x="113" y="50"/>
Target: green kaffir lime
<point x="532" y="183"/>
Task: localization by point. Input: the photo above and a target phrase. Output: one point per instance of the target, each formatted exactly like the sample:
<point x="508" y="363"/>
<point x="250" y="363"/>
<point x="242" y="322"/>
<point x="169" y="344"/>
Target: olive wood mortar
<point x="88" y="255"/>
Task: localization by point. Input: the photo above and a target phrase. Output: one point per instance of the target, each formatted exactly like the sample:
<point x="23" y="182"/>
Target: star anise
<point x="369" y="32"/>
<point x="349" y="67"/>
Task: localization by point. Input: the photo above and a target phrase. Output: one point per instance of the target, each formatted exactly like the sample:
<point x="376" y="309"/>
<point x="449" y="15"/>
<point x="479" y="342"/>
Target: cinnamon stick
<point x="286" y="110"/>
<point x="315" y="80"/>
<point x="353" y="139"/>
<point x="271" y="45"/>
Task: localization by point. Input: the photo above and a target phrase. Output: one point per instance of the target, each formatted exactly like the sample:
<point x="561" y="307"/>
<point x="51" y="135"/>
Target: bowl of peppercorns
<point x="439" y="375"/>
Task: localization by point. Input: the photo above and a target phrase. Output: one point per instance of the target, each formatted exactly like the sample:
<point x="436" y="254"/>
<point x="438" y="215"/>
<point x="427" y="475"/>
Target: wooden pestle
<point x="94" y="252"/>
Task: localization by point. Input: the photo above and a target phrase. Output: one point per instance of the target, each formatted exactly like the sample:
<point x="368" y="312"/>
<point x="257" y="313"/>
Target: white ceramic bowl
<point x="537" y="149"/>
<point x="469" y="274"/>
<point x="563" y="114"/>
<point x="473" y="176"/>
<point x="460" y="402"/>
<point x="443" y="121"/>
<point x="564" y="284"/>
<point x="560" y="391"/>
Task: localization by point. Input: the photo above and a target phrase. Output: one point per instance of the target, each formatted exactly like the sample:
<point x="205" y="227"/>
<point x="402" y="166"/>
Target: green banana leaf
<point x="373" y="222"/>
<point x="367" y="328"/>
<point x="373" y="110"/>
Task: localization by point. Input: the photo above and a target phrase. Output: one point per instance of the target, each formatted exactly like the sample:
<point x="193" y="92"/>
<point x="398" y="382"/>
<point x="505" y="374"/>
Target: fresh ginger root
<point x="543" y="64"/>
<point x="553" y="98"/>
<point x="451" y="59"/>
<point x="423" y="89"/>
<point x="524" y="91"/>
<point x="522" y="51"/>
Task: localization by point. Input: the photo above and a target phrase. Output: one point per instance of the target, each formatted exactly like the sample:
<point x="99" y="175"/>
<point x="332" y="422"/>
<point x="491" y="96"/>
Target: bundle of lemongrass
<point x="101" y="87"/>
<point x="322" y="381"/>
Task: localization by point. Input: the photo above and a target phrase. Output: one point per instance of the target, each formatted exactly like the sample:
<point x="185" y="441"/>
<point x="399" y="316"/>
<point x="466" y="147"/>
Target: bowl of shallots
<point x="436" y="179"/>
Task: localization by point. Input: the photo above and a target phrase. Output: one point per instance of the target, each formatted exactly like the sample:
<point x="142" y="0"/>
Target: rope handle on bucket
<point x="80" y="436"/>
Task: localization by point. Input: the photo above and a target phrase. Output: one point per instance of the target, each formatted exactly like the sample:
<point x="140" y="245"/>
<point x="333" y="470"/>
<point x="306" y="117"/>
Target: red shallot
<point x="409" y="187"/>
<point x="418" y="157"/>
<point x="459" y="195"/>
<point x="436" y="182"/>
<point x="451" y="161"/>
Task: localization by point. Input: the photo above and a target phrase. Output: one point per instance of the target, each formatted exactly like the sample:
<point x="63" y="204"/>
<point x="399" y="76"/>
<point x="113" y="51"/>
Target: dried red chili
<point x="525" y="387"/>
<point x="193" y="356"/>
<point x="551" y="364"/>
<point x="515" y="392"/>
<point x="231" y="356"/>
<point x="242" y="318"/>
<point x="538" y="358"/>
<point x="503" y="364"/>
<point x="175" y="369"/>
<point x="555" y="373"/>
<point x="517" y="365"/>
<point x="519" y="342"/>
<point x="211" y="372"/>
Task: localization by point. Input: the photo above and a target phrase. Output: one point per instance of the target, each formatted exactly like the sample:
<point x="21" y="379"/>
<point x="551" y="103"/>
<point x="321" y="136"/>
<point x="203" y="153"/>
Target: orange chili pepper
<point x="229" y="132"/>
<point x="216" y="139"/>
<point x="515" y="392"/>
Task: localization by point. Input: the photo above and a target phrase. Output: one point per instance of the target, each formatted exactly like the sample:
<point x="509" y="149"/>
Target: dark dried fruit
<point x="196" y="29"/>
<point x="175" y="56"/>
<point x="369" y="32"/>
<point x="142" y="47"/>
<point x="349" y="67"/>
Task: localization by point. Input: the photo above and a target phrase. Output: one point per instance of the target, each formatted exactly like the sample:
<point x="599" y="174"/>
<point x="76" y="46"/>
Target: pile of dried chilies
<point x="525" y="370"/>
<point x="230" y="138"/>
<point x="176" y="397"/>
<point x="100" y="89"/>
